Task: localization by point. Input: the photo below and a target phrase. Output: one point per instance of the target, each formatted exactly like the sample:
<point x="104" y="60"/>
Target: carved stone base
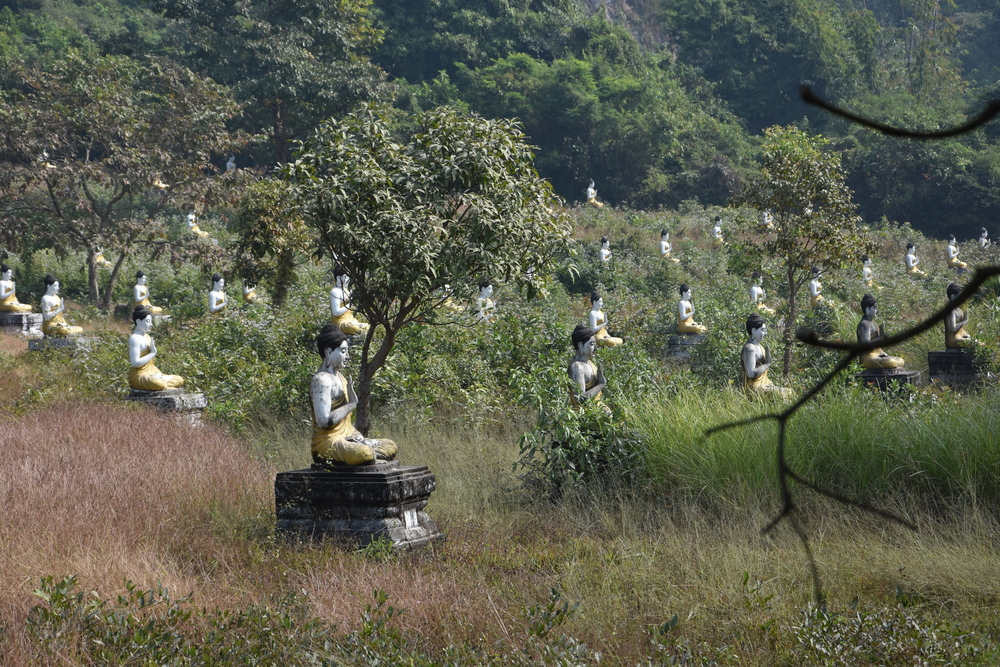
<point x="895" y="379"/>
<point x="679" y="346"/>
<point x="357" y="504"/>
<point x="28" y="325"/>
<point x="188" y="406"/>
<point x="955" y="368"/>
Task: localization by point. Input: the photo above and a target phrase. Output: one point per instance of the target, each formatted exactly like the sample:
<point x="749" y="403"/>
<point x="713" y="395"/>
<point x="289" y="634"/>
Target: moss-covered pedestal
<point x="187" y="406"/>
<point x="891" y="379"/>
<point x="357" y="504"/>
<point x="956" y="368"/>
<point x="679" y="346"/>
<point x="28" y="325"/>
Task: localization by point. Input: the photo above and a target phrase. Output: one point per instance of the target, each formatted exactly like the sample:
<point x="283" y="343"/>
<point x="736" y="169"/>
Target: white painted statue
<point x="143" y="373"/>
<point x="756" y="360"/>
<point x="192" y="220"/>
<point x="685" y="314"/>
<point x="912" y="261"/>
<point x="231" y="163"/>
<point x="815" y="288"/>
<point x="665" y="246"/>
<point x="335" y="441"/>
<point x="592" y="196"/>
<point x="955" y="335"/>
<point x="217" y="296"/>
<point x="587" y="377"/>
<point x="140" y="294"/>
<point x="53" y="323"/>
<point x="99" y="258"/>
<point x="767" y="219"/>
<point x="717" y="239"/>
<point x="757" y="294"/>
<point x="340" y="298"/>
<point x="249" y="293"/>
<point x="869" y="332"/>
<point x="952" y="252"/>
<point x="605" y="252"/>
<point x="867" y="273"/>
<point x="8" y="293"/>
<point x="599" y="323"/>
<point x="487" y="307"/>
<point x="984" y="239"/>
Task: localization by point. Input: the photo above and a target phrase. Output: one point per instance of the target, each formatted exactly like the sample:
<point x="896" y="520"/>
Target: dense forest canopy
<point x="678" y="115"/>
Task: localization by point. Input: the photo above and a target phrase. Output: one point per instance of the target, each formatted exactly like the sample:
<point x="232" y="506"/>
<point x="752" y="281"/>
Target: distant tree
<point x="814" y="218"/>
<point x="455" y="201"/>
<point x="92" y="151"/>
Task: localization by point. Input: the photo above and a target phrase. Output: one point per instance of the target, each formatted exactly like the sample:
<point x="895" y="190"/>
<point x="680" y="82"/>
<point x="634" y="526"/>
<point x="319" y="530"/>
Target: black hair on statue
<point x="49" y="279"/>
<point x="864" y="258"/>
<point x="484" y="283"/>
<point x="663" y="233"/>
<point x="953" y="290"/>
<point x="683" y="288"/>
<point x="330" y="338"/>
<point x="816" y="271"/>
<point x="718" y="218"/>
<point x="594" y="297"/>
<point x="216" y="278"/>
<point x="604" y="239"/>
<point x="755" y="321"/>
<point x="339" y="270"/>
<point x="140" y="313"/>
<point x="867" y="301"/>
<point x="4" y="268"/>
<point x="982" y="230"/>
<point x="951" y="237"/>
<point x="581" y="334"/>
<point x="909" y="245"/>
<point x="139" y="274"/>
<point x="755" y="275"/>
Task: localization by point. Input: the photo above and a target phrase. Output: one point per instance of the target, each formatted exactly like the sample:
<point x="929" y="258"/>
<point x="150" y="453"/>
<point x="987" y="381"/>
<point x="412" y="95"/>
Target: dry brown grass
<point x="13" y="345"/>
<point x="113" y="493"/>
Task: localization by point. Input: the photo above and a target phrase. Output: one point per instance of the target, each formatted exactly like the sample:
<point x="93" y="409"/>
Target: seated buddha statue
<point x="756" y="359"/>
<point x="217" y="296"/>
<point x="249" y="293"/>
<point x="591" y="193"/>
<point x="192" y="220"/>
<point x="665" y="246"/>
<point x="912" y="261"/>
<point x="685" y="314"/>
<point x="815" y="288"/>
<point x="605" y="252"/>
<point x="867" y="273"/>
<point x="869" y="332"/>
<point x="335" y="441"/>
<point x="757" y="294"/>
<point x="143" y="374"/>
<point x="487" y="307"/>
<point x="340" y="297"/>
<point x="952" y="252"/>
<point x="955" y="335"/>
<point x="587" y="377"/>
<point x="53" y="323"/>
<point x="599" y="323"/>
<point x="984" y="238"/>
<point x="140" y="294"/>
<point x="766" y="220"/>
<point x="717" y="240"/>
<point x="99" y="258"/>
<point x="8" y="293"/>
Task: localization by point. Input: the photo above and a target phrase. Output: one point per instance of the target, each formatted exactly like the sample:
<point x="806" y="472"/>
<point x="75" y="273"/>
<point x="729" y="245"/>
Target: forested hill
<point x="657" y="100"/>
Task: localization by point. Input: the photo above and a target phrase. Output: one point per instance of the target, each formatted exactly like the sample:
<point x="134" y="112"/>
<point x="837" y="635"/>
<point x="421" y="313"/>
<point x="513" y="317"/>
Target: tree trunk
<point x="110" y="289"/>
<point x="93" y="289"/>
<point x="362" y="416"/>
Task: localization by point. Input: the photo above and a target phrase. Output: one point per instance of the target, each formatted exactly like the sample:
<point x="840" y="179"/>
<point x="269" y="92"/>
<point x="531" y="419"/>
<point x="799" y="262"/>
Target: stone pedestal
<point x="28" y="325"/>
<point x="357" y="504"/>
<point x="679" y="346"/>
<point x="187" y="406"/>
<point x="894" y="379"/>
<point x="956" y="368"/>
<point x="50" y="343"/>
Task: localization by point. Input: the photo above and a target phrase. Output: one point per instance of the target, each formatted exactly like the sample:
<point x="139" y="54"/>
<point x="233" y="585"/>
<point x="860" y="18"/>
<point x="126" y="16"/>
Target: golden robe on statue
<point x="11" y="305"/>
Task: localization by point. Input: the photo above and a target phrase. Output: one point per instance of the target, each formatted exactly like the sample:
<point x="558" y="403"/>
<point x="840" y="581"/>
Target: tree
<point x="94" y="150"/>
<point x="456" y="201"/>
<point x="815" y="224"/>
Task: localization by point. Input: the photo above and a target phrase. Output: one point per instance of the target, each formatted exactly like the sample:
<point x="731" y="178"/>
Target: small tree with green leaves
<point x="814" y="217"/>
<point x="455" y="201"/>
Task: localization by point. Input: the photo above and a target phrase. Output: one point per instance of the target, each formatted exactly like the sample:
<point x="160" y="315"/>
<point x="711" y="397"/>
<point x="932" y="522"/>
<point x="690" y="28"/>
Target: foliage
<point x="459" y="202"/>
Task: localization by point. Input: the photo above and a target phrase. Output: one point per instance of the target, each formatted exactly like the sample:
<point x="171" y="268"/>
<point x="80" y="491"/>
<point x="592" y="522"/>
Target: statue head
<point x="331" y="344"/>
<point x="664" y="234"/>
<point x="142" y="314"/>
<point x="583" y="340"/>
<point x="5" y="272"/>
<point x="140" y="278"/>
<point x="485" y="288"/>
<point x="685" y="291"/>
<point x="755" y="276"/>
<point x="910" y="246"/>
<point x="756" y="326"/>
<point x="951" y="239"/>
<point x="718" y="219"/>
<point x="983" y="232"/>
<point x="604" y="242"/>
<point x="816" y="272"/>
<point x="51" y="284"/>
<point x="340" y="277"/>
<point x="595" y="301"/>
<point x="218" y="282"/>
<point x="953" y="290"/>
<point x="866" y="260"/>
<point x="869" y="306"/>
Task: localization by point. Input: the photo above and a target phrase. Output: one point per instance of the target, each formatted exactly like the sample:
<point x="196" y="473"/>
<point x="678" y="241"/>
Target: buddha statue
<point x="143" y="374"/>
<point x="815" y="288"/>
<point x="599" y="323"/>
<point x="685" y="314"/>
<point x="486" y="305"/>
<point x="717" y="240"/>
<point x="217" y="296"/>
<point x="767" y="220"/>
<point x="592" y="196"/>
<point x="954" y="324"/>
<point x="192" y="220"/>
<point x="756" y="359"/>
<point x="335" y="441"/>
<point x="912" y="261"/>
<point x="340" y="297"/>
<point x="8" y="293"/>
<point x="757" y="294"/>
<point x="869" y="332"/>
<point x="867" y="273"/>
<point x="586" y="376"/>
<point x="665" y="246"/>
<point x="99" y="258"/>
<point x="952" y="252"/>
<point x="249" y="293"/>
<point x="140" y="294"/>
<point x="231" y="163"/>
<point x="605" y="251"/>
<point x="53" y="324"/>
<point x="984" y="239"/>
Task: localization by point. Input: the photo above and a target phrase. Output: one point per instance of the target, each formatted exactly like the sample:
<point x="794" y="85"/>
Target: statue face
<point x="758" y="334"/>
<point x="598" y="304"/>
<point x="606" y="245"/>
<point x="148" y="321"/>
<point x="55" y="287"/>
<point x="588" y="348"/>
<point x="8" y="275"/>
<point x="337" y="357"/>
<point x="871" y="311"/>
<point x="141" y="281"/>
<point x="686" y="296"/>
<point x="488" y="291"/>
<point x="219" y="284"/>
